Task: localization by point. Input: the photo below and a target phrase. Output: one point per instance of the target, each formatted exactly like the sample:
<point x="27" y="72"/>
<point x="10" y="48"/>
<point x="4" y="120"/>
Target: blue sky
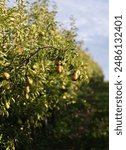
<point x="92" y="18"/>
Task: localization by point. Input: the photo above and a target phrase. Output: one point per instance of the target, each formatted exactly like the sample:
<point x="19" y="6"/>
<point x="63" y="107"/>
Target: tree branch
<point x="36" y="52"/>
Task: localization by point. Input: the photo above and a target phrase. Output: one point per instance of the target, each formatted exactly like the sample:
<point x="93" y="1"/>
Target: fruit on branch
<point x="7" y="104"/>
<point x="35" y="66"/>
<point x="59" y="69"/>
<point x="27" y="96"/>
<point x="27" y="89"/>
<point x="30" y="81"/>
<point x="6" y="75"/>
<point x="19" y="50"/>
<point x="76" y="75"/>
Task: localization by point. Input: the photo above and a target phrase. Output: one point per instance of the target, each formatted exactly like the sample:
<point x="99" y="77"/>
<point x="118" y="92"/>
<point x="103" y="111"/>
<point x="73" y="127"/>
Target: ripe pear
<point x="27" y="96"/>
<point x="27" y="89"/>
<point x="59" y="69"/>
<point x="30" y="81"/>
<point x="8" y="105"/>
<point x="64" y="97"/>
<point x="35" y="66"/>
<point x="76" y="75"/>
<point x="78" y="72"/>
<point x="6" y="75"/>
<point x="63" y="87"/>
<point x="19" y="50"/>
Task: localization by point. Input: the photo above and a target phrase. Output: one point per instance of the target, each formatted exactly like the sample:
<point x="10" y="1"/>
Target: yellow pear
<point x="30" y="81"/>
<point x="76" y="75"/>
<point x="6" y="75"/>
<point x="27" y="89"/>
<point x="8" y="105"/>
<point x="78" y="72"/>
<point x="19" y="50"/>
<point x="27" y="96"/>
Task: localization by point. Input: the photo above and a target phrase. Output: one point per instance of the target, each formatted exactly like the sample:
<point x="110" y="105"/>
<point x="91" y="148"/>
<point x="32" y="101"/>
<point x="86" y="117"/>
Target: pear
<point x="30" y="81"/>
<point x="8" y="105"/>
<point x="19" y="50"/>
<point x="27" y="89"/>
<point x="27" y="96"/>
<point x="76" y="75"/>
<point x="6" y="75"/>
<point x="59" y="69"/>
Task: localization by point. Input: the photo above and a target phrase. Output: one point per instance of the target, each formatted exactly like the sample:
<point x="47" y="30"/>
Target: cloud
<point x="91" y="17"/>
<point x="92" y="21"/>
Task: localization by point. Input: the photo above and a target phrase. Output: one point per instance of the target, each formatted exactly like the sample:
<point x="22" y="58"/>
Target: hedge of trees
<point x="52" y="94"/>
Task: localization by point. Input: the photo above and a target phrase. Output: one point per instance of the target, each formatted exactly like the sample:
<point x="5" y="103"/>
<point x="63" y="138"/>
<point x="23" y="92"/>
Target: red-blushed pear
<point x="59" y="69"/>
<point x="19" y="50"/>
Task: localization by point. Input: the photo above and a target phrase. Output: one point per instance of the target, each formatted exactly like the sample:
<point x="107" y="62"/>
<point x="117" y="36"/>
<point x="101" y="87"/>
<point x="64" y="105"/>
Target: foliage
<point x="42" y="69"/>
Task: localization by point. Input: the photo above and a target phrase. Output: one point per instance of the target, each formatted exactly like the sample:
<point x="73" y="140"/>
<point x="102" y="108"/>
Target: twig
<point x="37" y="51"/>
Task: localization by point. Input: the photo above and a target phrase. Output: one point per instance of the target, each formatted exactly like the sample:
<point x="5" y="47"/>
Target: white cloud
<point x="92" y="21"/>
<point x="91" y="16"/>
